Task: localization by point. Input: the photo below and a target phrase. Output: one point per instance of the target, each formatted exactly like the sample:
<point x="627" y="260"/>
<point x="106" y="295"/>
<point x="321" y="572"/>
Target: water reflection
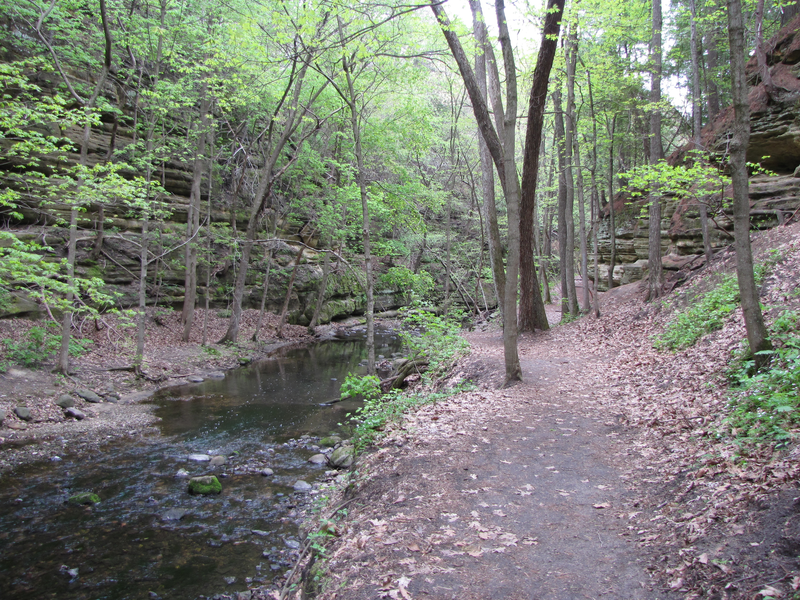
<point x="148" y="534"/>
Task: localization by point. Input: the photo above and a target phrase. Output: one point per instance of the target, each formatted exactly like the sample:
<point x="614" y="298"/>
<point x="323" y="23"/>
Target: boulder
<point x="208" y="484"/>
<point x="84" y="498"/>
<point x="89" y="396"/>
<point x="65" y="401"/>
<point x="23" y="413"/>
<point x="217" y="461"/>
<point x="19" y="305"/>
<point x="342" y="457"/>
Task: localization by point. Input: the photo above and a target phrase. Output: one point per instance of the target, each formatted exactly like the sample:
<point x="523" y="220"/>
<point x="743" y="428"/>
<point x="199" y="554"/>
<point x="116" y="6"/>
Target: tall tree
<point x="531" y="305"/>
<point x="757" y="335"/>
<point x="503" y="157"/>
<point x="656" y="276"/>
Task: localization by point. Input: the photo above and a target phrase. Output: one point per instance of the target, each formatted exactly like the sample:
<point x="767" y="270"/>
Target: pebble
<point x="65" y="401"/>
<point x="195" y="379"/>
<point x="89" y="396"/>
<point x="75" y="413"/>
<point x="182" y="473"/>
<point x="318" y="459"/>
<point x="293" y="544"/>
<point x="199" y="457"/>
<point x="267" y="472"/>
<point x="23" y="413"/>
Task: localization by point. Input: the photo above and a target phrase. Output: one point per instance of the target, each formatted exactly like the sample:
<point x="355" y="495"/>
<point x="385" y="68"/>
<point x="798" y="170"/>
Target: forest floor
<point x="607" y="473"/>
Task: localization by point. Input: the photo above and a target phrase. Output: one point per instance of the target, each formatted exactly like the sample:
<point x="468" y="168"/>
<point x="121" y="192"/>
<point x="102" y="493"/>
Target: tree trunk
<point x="757" y="336"/>
<point x="582" y="223"/>
<point x="506" y="169"/>
<point x="712" y="89"/>
<point x="612" y="217"/>
<point x="531" y="306"/>
<point x="323" y="285"/>
<point x="510" y="332"/>
<point x="487" y="172"/>
<point x="569" y="212"/>
<point x="62" y="362"/>
<point x="361" y="175"/>
<point x="656" y="276"/>
<point x="264" y="192"/>
<point x="193" y="223"/>
<point x="562" y="202"/>
<point x="289" y="289"/>
<point x="268" y="252"/>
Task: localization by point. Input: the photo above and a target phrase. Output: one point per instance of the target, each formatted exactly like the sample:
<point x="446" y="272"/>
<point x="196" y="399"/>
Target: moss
<point x="84" y="498"/>
<point x="205" y="485"/>
<point x="330" y="441"/>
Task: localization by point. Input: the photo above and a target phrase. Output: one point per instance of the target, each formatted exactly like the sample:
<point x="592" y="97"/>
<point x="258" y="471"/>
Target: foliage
<point x="41" y="343"/>
<point x="367" y="386"/>
<point x="434" y="338"/>
<point x="707" y="314"/>
<point x="765" y="404"/>
<point x="415" y="286"/>
<point x="371" y="418"/>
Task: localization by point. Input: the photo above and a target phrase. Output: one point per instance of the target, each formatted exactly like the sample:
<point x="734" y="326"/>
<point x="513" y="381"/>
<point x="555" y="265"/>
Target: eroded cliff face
<point x="117" y="261"/>
<point x="774" y="143"/>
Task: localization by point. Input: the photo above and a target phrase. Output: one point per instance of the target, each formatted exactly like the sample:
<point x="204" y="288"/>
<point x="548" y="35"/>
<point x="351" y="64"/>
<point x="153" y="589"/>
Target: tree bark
<point x="326" y="268"/>
<point x="193" y="222"/>
<point x="656" y="275"/>
<point x="531" y="305"/>
<point x="289" y="289"/>
<point x="487" y="172"/>
<point x="757" y="335"/>
<point x="268" y="252"/>
<point x="562" y="202"/>
<point x="612" y="217"/>
<point x="504" y="164"/>
<point x="569" y="212"/>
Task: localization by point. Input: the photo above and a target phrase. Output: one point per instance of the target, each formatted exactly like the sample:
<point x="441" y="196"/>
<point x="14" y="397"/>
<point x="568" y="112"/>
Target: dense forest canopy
<point x="345" y="127"/>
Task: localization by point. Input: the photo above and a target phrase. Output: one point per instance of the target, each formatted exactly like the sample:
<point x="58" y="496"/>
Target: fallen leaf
<point x="499" y="513"/>
<point x="703" y="558"/>
<point x="509" y="539"/>
<point x="770" y="592"/>
<point x="391" y="540"/>
<point x="473" y="550"/>
<point x="529" y="541"/>
<point x="487" y="535"/>
<point x="602" y="505"/>
<point x="400" y="499"/>
<point x="413" y="547"/>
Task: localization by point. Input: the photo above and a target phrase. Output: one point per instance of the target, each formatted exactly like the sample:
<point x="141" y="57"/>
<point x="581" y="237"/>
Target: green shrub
<point x="765" y="403"/>
<point x="41" y="343"/>
<point x="414" y="285"/>
<point x="435" y="339"/>
<point x="368" y="387"/>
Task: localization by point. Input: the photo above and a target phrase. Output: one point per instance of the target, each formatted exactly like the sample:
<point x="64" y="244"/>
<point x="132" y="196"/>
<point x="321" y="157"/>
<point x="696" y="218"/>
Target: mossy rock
<point x="330" y="441"/>
<point x="205" y="485"/>
<point x="342" y="457"/>
<point x="84" y="498"/>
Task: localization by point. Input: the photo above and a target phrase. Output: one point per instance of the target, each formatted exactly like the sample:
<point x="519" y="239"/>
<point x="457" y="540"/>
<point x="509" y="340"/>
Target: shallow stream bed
<point x="148" y="537"/>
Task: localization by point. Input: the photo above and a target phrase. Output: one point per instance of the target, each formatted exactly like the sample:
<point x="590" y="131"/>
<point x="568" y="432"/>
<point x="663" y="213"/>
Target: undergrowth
<point x="428" y="337"/>
<point x="41" y="343"/>
<point x="707" y="313"/>
<point x="764" y="404"/>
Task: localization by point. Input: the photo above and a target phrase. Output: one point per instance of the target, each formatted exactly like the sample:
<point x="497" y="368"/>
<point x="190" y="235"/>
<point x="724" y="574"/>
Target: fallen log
<point x="406" y="368"/>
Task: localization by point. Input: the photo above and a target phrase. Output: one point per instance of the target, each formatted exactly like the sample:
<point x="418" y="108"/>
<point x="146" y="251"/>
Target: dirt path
<point x="518" y="493"/>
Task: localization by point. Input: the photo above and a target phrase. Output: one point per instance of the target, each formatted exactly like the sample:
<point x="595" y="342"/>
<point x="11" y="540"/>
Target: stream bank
<point x="104" y="369"/>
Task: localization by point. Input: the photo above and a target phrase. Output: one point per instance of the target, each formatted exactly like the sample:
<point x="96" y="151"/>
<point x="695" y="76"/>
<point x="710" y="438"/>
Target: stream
<point x="148" y="537"/>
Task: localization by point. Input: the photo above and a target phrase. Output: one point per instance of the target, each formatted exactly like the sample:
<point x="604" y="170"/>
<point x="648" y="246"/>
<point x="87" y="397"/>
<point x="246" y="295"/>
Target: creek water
<point x="148" y="537"/>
